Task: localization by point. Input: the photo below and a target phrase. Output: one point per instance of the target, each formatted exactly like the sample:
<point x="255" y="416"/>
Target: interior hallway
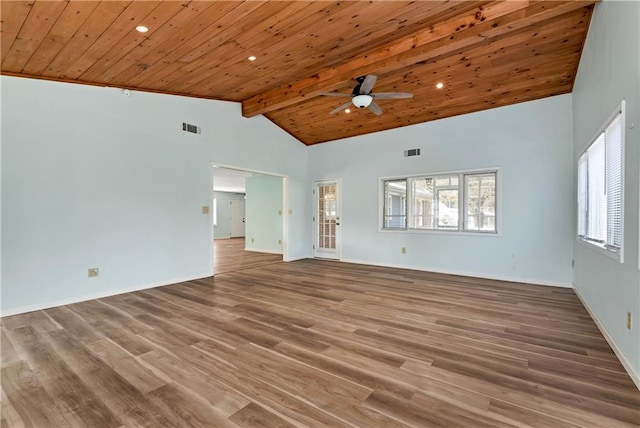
<point x="230" y="256"/>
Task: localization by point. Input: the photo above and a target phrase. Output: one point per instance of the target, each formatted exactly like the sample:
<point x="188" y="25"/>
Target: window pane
<point x="395" y="208"/>
<point x="582" y="195"/>
<point x="480" y="210"/>
<point x="435" y="202"/>
<point x="423" y="209"/>
<point x="442" y="181"/>
<point x="596" y="196"/>
<point x="447" y="209"/>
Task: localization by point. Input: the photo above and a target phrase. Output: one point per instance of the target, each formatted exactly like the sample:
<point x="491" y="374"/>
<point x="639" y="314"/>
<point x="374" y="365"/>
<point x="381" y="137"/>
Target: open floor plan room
<point x="320" y="213"/>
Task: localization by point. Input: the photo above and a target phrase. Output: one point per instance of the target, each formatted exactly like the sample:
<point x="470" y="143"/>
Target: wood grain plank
<point x="316" y="343"/>
<point x="42" y="16"/>
<point x="126" y="366"/>
<point x="253" y="415"/>
<point x="105" y="13"/>
<point x="122" y="27"/>
<point x="65" y="27"/>
<point x="29" y="400"/>
<point x="100" y="71"/>
<point x="18" y="12"/>
<point x="77" y="403"/>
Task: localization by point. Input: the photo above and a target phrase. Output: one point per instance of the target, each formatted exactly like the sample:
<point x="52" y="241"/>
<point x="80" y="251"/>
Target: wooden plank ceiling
<point x="487" y="54"/>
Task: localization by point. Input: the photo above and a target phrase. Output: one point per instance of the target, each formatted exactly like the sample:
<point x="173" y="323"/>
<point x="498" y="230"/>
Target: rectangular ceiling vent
<point x="188" y="127"/>
<point x="412" y="152"/>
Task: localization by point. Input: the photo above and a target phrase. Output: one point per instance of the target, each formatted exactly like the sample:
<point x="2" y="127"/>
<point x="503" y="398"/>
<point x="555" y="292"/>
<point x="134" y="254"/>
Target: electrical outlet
<point x="629" y="320"/>
<point x="205" y="210"/>
<point x="93" y="272"/>
<point x="403" y="250"/>
<point x="290" y="211"/>
<point x="251" y="239"/>
<point x="280" y="241"/>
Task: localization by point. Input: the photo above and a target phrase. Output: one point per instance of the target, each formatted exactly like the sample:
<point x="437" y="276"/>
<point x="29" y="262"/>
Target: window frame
<point x="462" y="199"/>
<point x="605" y="249"/>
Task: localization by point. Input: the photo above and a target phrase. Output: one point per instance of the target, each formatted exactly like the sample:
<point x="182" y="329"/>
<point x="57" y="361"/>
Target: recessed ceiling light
<point x="348" y="110"/>
<point x="439" y="85"/>
<point x="142" y="29"/>
<point x="252" y="58"/>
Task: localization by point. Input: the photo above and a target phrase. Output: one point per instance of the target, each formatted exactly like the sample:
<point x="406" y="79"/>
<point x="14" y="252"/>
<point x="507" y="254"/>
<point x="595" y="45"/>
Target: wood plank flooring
<point x="316" y="343"/>
<point x="230" y="256"/>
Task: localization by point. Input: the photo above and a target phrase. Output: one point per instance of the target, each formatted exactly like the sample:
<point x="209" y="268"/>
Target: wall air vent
<point x="412" y="152"/>
<point x="188" y="127"/>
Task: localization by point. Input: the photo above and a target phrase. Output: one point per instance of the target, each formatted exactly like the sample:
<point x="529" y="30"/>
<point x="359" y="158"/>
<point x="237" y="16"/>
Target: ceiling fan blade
<point x="335" y="94"/>
<point x="392" y="95"/>
<point x="367" y="84"/>
<point x="342" y="107"/>
<point x="375" y="108"/>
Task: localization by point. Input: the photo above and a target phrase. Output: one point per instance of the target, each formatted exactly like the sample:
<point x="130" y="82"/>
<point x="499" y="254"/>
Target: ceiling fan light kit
<point x="362" y="101"/>
<point x="362" y="95"/>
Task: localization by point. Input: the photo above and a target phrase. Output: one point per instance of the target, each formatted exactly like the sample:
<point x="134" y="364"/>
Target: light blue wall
<point x="531" y="143"/>
<point x="609" y="72"/>
<point x="221" y="230"/>
<point x="93" y="178"/>
<point x="263" y="213"/>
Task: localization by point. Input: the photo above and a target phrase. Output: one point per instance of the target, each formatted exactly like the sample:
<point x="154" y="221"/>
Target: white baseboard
<point x="84" y="298"/>
<point x="257" y="250"/>
<point x="616" y="350"/>
<point x="533" y="281"/>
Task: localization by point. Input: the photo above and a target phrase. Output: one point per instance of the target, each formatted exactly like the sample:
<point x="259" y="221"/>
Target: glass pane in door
<point x="327" y="215"/>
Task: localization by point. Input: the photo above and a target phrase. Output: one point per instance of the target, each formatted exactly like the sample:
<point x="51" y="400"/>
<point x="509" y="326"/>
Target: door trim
<point x="314" y="233"/>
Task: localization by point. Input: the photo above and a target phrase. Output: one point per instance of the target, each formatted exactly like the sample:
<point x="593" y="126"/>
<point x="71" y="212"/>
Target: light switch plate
<point x="93" y="272"/>
<point x="205" y="210"/>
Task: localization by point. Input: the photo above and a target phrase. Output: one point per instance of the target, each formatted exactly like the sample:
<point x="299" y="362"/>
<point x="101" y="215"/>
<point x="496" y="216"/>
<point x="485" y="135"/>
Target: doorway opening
<point x="248" y="222"/>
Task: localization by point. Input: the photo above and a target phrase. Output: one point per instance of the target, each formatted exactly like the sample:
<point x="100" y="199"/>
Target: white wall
<point x="609" y="72"/>
<point x="263" y="213"/>
<point x="531" y="143"/>
<point x="221" y="230"/>
<point x="92" y="178"/>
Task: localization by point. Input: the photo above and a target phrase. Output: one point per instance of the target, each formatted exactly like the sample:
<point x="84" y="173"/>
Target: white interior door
<point x="326" y="220"/>
<point x="236" y="218"/>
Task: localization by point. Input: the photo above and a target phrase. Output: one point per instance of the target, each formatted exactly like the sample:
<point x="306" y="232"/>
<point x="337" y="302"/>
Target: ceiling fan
<point x="362" y="97"/>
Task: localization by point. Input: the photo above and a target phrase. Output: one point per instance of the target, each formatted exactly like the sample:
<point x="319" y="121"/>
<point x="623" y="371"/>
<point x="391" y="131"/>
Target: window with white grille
<point x="601" y="188"/>
<point x="458" y="202"/>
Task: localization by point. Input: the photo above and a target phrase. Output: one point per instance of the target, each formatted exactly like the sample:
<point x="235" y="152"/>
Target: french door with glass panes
<point x="326" y="219"/>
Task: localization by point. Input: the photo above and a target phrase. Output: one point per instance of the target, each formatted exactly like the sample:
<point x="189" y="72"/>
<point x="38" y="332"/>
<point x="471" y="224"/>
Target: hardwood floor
<point x="316" y="343"/>
<point x="230" y="256"/>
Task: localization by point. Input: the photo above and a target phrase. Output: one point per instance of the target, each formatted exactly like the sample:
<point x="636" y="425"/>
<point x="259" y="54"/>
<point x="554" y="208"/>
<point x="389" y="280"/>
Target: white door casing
<point x="326" y="219"/>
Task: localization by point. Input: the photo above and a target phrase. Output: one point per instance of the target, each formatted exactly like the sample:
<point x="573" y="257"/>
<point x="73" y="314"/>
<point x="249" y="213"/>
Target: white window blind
<point x="601" y="186"/>
<point x="613" y="142"/>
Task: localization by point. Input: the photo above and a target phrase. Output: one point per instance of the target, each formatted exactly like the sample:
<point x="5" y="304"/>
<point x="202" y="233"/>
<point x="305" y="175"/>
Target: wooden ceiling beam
<point x="489" y="21"/>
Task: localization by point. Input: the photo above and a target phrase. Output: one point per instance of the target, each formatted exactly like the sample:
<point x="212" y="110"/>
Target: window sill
<point x="598" y="249"/>
<point x="441" y="232"/>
